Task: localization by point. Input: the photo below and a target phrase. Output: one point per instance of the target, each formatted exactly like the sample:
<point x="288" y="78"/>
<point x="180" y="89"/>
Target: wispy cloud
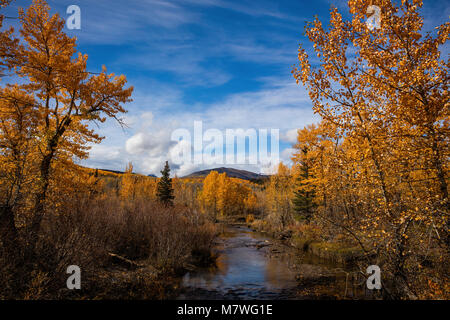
<point x="108" y="22"/>
<point x="269" y="9"/>
<point x="183" y="61"/>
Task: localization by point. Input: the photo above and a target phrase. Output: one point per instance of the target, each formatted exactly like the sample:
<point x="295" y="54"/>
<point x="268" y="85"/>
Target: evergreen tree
<point x="303" y="196"/>
<point x="165" y="190"/>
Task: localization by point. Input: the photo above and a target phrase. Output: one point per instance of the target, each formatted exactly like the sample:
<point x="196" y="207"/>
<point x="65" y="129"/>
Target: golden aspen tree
<point x="74" y="183"/>
<point x="279" y="196"/>
<point x="146" y="188"/>
<point x="405" y="66"/>
<point x="185" y="192"/>
<point x="251" y="202"/>
<point x="18" y="118"/>
<point x="208" y="196"/>
<point x="243" y="195"/>
<point x="225" y="196"/>
<point x="7" y="42"/>
<point x="383" y="94"/>
<point x="231" y="196"/>
<point x="128" y="184"/>
<point x="68" y="97"/>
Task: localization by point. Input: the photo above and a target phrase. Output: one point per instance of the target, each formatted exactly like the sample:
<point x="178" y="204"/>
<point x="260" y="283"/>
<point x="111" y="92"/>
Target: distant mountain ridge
<point x="231" y="172"/>
<point x="121" y="172"/>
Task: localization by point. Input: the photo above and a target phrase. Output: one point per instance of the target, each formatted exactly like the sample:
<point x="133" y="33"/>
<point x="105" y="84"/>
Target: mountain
<point x="231" y="172"/>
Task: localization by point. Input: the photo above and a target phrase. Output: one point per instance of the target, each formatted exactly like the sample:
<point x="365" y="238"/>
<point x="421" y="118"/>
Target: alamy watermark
<point x="74" y="20"/>
<point x="74" y="280"/>
<point x="374" y="279"/>
<point x="229" y="146"/>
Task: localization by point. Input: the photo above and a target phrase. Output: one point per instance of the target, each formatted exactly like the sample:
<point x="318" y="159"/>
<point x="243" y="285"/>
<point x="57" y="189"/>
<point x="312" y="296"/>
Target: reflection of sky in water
<point x="244" y="272"/>
<point x="241" y="265"/>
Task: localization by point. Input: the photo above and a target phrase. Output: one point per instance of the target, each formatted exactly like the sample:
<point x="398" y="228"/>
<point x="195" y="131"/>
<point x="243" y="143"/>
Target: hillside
<point x="231" y="172"/>
<point x="116" y="172"/>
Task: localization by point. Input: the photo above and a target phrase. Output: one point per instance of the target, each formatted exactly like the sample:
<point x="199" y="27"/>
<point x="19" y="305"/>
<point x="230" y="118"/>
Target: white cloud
<point x="104" y="152"/>
<point x="286" y="155"/>
<point x="106" y="157"/>
<point x="151" y="143"/>
<point x="278" y="105"/>
<point x="289" y="136"/>
<point x="250" y="50"/>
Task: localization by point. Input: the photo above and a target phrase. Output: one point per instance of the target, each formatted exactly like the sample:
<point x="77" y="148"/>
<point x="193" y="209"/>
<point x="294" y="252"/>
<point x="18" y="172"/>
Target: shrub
<point x="86" y="231"/>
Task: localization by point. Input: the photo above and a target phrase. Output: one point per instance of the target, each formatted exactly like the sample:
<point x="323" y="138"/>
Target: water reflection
<point x="243" y="270"/>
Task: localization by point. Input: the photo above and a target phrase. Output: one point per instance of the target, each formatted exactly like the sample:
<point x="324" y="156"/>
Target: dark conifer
<point x="165" y="190"/>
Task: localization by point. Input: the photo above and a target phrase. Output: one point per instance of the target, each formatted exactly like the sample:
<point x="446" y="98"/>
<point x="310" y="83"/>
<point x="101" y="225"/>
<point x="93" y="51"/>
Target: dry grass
<point x="86" y="231"/>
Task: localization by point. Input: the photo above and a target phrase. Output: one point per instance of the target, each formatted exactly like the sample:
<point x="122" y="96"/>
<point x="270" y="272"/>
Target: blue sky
<point x="226" y="63"/>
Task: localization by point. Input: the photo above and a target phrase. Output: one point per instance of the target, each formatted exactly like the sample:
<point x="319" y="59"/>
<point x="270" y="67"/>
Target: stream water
<point x="249" y="266"/>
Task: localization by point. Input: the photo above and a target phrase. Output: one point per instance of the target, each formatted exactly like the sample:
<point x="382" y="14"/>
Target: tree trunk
<point x="39" y="202"/>
<point x="43" y="183"/>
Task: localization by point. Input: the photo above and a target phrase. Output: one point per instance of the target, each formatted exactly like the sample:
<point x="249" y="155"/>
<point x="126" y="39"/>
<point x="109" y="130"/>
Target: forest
<point x="367" y="184"/>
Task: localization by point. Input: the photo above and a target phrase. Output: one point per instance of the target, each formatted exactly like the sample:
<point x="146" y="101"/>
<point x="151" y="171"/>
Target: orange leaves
<point x="18" y="117"/>
<point x="67" y="93"/>
<point x="4" y="3"/>
<point x="380" y="156"/>
<point x="209" y="195"/>
<point x="279" y="193"/>
<point x="135" y="186"/>
<point x="46" y="120"/>
<point x="104" y="93"/>
<point x="225" y="196"/>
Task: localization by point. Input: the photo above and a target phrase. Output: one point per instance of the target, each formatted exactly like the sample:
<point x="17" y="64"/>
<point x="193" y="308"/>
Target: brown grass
<point x="86" y="231"/>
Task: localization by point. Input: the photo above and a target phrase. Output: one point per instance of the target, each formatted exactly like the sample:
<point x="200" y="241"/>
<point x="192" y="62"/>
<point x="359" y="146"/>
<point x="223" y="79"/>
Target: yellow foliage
<point x="380" y="155"/>
<point x="225" y="196"/>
